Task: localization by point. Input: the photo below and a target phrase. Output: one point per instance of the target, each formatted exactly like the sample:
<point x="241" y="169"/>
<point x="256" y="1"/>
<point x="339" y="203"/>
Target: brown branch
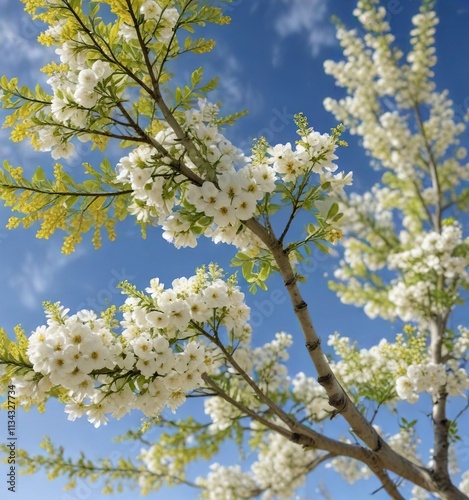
<point x="439" y="418"/>
<point x="177" y="165"/>
<point x="274" y="408"/>
<point x="155" y="93"/>
<point x="388" y="458"/>
<point x="387" y="484"/>
<point x="67" y="193"/>
<point x="244" y="409"/>
<point x="298" y="428"/>
<point x="306" y="436"/>
<point x="312" y="439"/>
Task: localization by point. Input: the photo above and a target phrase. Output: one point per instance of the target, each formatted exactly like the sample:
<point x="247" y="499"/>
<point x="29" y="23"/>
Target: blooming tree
<point x="405" y="256"/>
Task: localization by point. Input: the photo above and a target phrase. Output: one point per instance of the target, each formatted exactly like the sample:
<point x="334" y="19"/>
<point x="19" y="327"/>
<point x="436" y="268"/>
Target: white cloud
<point x="306" y="17"/>
<point x="37" y="274"/>
<point x="235" y="92"/>
<point x="16" y="45"/>
<point x="22" y="55"/>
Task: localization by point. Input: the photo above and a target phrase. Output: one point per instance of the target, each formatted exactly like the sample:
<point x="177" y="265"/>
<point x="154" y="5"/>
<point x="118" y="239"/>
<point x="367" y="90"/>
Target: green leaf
<point x="333" y="210"/>
<point x="39" y="175"/>
<point x="91" y="185"/>
<point x="178" y="95"/>
<point x="246" y="270"/>
<point x="322" y="247"/>
<point x="210" y="85"/>
<point x="242" y="256"/>
<point x="265" y="271"/>
<point x="196" y="76"/>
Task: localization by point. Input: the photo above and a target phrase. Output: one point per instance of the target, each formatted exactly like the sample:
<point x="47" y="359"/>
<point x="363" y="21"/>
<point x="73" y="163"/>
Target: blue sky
<point x="270" y="62"/>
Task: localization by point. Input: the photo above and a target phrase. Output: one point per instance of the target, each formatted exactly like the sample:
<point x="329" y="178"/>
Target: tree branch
<point x="83" y="194"/>
<point x="439" y="419"/>
<point x="436" y="219"/>
<point x="338" y="398"/>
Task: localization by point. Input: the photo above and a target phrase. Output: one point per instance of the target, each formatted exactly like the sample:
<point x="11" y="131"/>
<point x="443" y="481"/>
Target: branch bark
<point x="439" y="418"/>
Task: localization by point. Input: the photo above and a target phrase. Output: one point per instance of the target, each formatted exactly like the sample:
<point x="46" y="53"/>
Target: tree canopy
<point x="405" y="257"/>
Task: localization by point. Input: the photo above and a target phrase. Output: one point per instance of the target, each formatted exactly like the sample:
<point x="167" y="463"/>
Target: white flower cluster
<point x="419" y="493"/>
<point x="443" y="129"/>
<point x="375" y="79"/>
<point x="422" y="262"/>
<point x="432" y="258"/>
<point x="433" y="251"/>
<point x="308" y="391"/>
<point x="280" y="469"/>
<point x="227" y="483"/>
<point x="422" y="57"/>
<point x="460" y="349"/>
<point x="164" y="20"/>
<point x="69" y="349"/>
<point x="222" y="413"/>
<point x="153" y="363"/>
<point x="76" y="92"/>
<point x="372" y="371"/>
<point x="234" y="198"/>
<point x="373" y="68"/>
<point x="405" y="443"/>
<point x="402" y="366"/>
<point x="375" y="206"/>
<point x="429" y="377"/>
<point x="217" y="208"/>
<point x="370" y="229"/>
<point x="315" y="152"/>
<point x="393" y="106"/>
<point x="160" y="464"/>
<point x="268" y="362"/>
<point x="372" y="19"/>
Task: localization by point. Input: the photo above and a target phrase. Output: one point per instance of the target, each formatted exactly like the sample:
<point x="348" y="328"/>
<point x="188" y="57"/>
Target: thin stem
<point x="111" y="135"/>
<point x="244" y="409"/>
<point x="294" y="211"/>
<point x="276" y="410"/>
<point x="143" y="48"/>
<point x="76" y="468"/>
<point x="155" y="93"/>
<point x="433" y="169"/>
<point x="177" y="165"/>
<point x="109" y="58"/>
<point x="418" y="192"/>
<point x="83" y="194"/>
<point x="387" y="484"/>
